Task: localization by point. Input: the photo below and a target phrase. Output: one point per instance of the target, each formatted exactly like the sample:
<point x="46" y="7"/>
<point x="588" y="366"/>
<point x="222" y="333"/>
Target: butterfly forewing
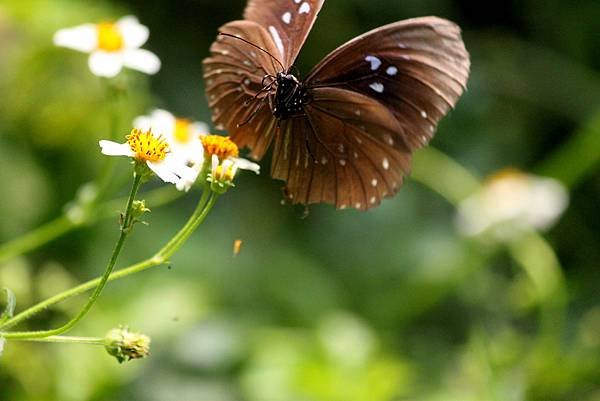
<point x="287" y="21"/>
<point x="234" y="75"/>
<point x="418" y="68"/>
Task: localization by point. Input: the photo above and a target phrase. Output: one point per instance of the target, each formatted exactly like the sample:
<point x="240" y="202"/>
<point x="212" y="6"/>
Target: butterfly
<point x="345" y="133"/>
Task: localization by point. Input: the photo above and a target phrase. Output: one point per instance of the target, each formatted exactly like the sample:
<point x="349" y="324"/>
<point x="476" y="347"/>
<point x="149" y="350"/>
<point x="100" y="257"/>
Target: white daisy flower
<point x="183" y="137"/>
<point x="112" y="46"/>
<point x="511" y="202"/>
<point x="153" y="150"/>
<point x="225" y="163"/>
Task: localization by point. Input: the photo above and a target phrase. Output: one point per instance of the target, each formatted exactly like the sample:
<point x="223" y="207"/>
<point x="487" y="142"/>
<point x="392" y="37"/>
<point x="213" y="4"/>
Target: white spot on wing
<point x="287" y="17"/>
<point x="385" y="163"/>
<point x="377" y="87"/>
<point x="391" y="71"/>
<point x="374" y="182"/>
<point x="423" y="114"/>
<point x="375" y="62"/>
<point x="342" y="162"/>
<point x="277" y="39"/>
<point x="373" y="200"/>
<point x="304" y="8"/>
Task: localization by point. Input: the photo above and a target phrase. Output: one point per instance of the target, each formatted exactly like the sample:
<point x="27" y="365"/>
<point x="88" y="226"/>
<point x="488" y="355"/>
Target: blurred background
<point x="392" y="304"/>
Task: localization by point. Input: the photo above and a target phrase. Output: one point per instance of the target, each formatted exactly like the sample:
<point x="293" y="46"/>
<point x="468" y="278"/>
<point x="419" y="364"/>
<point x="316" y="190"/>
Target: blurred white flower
<point x="112" y="46"/>
<point x="183" y="137"/>
<point x="153" y="150"/>
<point x="510" y="202"/>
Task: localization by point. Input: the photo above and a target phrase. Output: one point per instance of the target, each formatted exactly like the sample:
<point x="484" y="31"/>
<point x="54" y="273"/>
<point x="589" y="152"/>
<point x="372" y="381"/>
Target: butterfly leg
<point x="253" y="114"/>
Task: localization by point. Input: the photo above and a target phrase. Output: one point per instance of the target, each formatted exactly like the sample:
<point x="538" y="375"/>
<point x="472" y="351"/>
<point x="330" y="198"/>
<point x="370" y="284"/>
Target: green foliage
<point x="387" y="305"/>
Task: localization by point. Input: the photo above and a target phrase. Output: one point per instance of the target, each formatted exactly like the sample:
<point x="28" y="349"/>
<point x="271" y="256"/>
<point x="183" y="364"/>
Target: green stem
<point x="36" y="238"/>
<point x="125" y="230"/>
<point x="531" y="251"/>
<point x="65" y="340"/>
<point x="159" y="258"/>
<point x="190" y="226"/>
<point x="63" y="224"/>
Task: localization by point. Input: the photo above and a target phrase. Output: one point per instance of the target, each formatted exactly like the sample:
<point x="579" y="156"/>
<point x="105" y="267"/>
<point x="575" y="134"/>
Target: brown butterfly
<point x="345" y="134"/>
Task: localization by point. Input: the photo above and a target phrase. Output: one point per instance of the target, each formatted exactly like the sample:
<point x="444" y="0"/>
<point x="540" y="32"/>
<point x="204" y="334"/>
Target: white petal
<point x="83" y="38"/>
<point x="111" y="148"/>
<point x="142" y="122"/>
<point x="189" y="178"/>
<point x="214" y="163"/>
<point x="134" y="33"/>
<point x="162" y="170"/>
<point x="141" y="60"/>
<point x="163" y="123"/>
<point x="199" y="128"/>
<point x="106" y="64"/>
<point x="246" y="165"/>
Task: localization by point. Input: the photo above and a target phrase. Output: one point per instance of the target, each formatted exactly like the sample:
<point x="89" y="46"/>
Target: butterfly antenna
<point x="253" y="45"/>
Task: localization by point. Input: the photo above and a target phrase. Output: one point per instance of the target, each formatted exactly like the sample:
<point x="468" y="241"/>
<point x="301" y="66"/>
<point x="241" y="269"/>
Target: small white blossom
<point x="225" y="163"/>
<point x="144" y="146"/>
<point x="183" y="137"/>
<point x="112" y="46"/>
<point x="511" y="202"/>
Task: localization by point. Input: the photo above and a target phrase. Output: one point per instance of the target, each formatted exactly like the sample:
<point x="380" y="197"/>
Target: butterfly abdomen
<point x="290" y="98"/>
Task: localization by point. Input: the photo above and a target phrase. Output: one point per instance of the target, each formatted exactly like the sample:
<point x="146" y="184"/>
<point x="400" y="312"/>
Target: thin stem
<point x="531" y="251"/>
<point x="65" y="340"/>
<point x="63" y="224"/>
<point x="159" y="258"/>
<point x="36" y="238"/>
<point x="175" y="242"/>
<point x="125" y="230"/>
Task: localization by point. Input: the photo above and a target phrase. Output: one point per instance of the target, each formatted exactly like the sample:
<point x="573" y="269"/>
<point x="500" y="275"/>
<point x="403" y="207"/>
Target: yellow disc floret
<point x="226" y="174"/>
<point x="221" y="146"/>
<point x="146" y="146"/>
<point x="110" y="38"/>
<point x="182" y="130"/>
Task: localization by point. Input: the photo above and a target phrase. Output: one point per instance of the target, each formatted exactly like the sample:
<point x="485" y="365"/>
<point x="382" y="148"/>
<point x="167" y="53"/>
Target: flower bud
<point x="138" y="209"/>
<point x="126" y="345"/>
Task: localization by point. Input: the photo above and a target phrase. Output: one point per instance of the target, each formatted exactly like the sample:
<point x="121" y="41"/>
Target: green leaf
<point x="7" y="305"/>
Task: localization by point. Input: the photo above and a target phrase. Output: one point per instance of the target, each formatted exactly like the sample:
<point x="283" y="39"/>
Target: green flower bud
<point x="126" y="345"/>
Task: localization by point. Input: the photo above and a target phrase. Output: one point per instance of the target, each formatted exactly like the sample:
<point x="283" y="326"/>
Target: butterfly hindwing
<point x="334" y="155"/>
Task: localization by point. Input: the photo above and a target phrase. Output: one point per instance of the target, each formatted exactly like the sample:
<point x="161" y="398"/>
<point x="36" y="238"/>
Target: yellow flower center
<point x="224" y="174"/>
<point x="509" y="173"/>
<point x="221" y="146"/>
<point x="109" y="37"/>
<point x="182" y="130"/>
<point x="146" y="146"/>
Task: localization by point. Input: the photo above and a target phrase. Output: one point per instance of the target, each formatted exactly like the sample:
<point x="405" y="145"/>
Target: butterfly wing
<point x="417" y="68"/>
<point x="340" y="152"/>
<point x="234" y="79"/>
<point x="374" y="101"/>
<point x="287" y="21"/>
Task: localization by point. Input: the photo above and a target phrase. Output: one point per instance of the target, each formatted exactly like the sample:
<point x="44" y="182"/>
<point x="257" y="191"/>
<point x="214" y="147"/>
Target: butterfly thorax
<point x="290" y="97"/>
